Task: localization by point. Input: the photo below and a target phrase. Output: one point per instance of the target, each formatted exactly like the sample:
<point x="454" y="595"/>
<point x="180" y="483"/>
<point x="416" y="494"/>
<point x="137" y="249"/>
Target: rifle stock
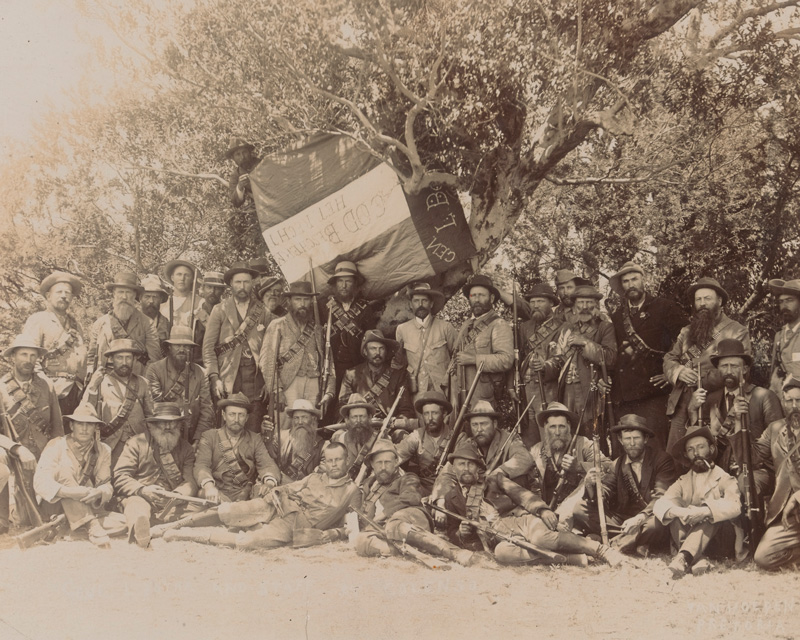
<point x="41" y="532"/>
<point x="179" y="497"/>
<point x="275" y="396"/>
<point x="451" y="443"/>
<point x="601" y="509"/>
<point x="752" y="509"/>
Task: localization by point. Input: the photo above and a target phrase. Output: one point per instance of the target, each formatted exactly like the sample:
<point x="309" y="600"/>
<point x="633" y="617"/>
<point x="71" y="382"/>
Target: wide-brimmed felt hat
<point x="482" y="408"/>
<point x="126" y="279"/>
<point x="170" y="267"/>
<point x="151" y="283"/>
<point x="375" y="335"/>
<point x="301" y="404"/>
<point x="481" y="280"/>
<point x="678" y="450"/>
<point x="789" y="287"/>
<point x="60" y="276"/>
<point x="565" y="275"/>
<point x="424" y="289"/>
<point x="180" y="334"/>
<point x="237" y="143"/>
<point x="356" y="401"/>
<point x="557" y="409"/>
<point x="300" y="289"/>
<point x="85" y="412"/>
<point x="630" y="422"/>
<point x="214" y="279"/>
<point x="432" y="397"/>
<point x="730" y="348"/>
<point x="166" y="412"/>
<point x="23" y="342"/>
<point x="346" y="268"/>
<point x="587" y="291"/>
<point x="542" y="290"/>
<point x="268" y="283"/>
<point x="259" y="264"/>
<point x="235" y="400"/>
<point x="615" y="281"/>
<point x="707" y="283"/>
<point x="790" y="383"/>
<point x="238" y="267"/>
<point x="381" y="446"/>
<point x="121" y="345"/>
<point x="467" y="450"/>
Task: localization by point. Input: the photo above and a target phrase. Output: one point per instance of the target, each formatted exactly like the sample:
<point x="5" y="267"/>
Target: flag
<point x="330" y="199"/>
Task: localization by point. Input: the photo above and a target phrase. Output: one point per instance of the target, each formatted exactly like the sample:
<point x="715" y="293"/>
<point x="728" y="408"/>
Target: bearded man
<point x="692" y="352"/>
<point x="150" y="301"/>
<point x="645" y="328"/>
<point x="779" y="449"/>
<point x="124" y="321"/>
<point x="422" y="449"/>
<point x="786" y="347"/>
<point x="211" y="291"/>
<point x="428" y="341"/>
<point x="699" y="506"/>
<point x="58" y="332"/>
<point x="271" y="293"/>
<point x="301" y="446"/>
<point x="358" y="432"/>
<point x="158" y="459"/>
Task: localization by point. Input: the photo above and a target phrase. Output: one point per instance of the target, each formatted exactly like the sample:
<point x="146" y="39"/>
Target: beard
<point x="701" y="326"/>
<point x="699" y="465"/>
<point x="124" y="371"/>
<point x="793" y="419"/>
<point x="300" y="315"/>
<point x="179" y="360"/>
<point x="213" y="298"/>
<point x="422" y="312"/>
<point x="557" y="444"/>
<point x="123" y="310"/>
<point x="731" y="382"/>
<point x="479" y="308"/>
<point x="634" y="295"/>
<point x="377" y="360"/>
<point x="149" y="309"/>
<point x="634" y="453"/>
<point x="586" y="316"/>
<point x="567" y="301"/>
<point x="166" y="441"/>
<point x="434" y="426"/>
<point x="362" y="434"/>
<point x="467" y="478"/>
<point x="538" y="317"/>
<point x="383" y="477"/>
<point x="788" y="316"/>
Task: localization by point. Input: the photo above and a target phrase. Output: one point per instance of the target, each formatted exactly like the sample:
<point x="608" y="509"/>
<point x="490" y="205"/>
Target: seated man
<point x="524" y="515"/>
<point x="232" y="462"/>
<point x="423" y="447"/>
<point x="311" y="509"/>
<point x="779" y="448"/>
<point x="640" y="477"/>
<point x="392" y="500"/>
<point x="358" y="433"/>
<point x="150" y="462"/>
<point x="700" y="505"/>
<point x="75" y="472"/>
<point x="301" y="447"/>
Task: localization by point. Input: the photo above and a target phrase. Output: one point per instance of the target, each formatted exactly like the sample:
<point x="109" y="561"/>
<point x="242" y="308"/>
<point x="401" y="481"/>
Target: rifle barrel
<point x="451" y="443"/>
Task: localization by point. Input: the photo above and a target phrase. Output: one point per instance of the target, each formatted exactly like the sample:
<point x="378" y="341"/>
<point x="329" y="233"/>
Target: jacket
<point x="438" y="350"/>
<point x="714" y="489"/>
<point x="494" y="347"/>
<point x="162" y="377"/>
<point x="773" y="449"/>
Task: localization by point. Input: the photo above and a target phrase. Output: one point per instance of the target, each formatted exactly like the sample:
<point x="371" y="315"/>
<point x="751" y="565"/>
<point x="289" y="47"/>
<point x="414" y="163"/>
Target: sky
<point x="44" y="51"/>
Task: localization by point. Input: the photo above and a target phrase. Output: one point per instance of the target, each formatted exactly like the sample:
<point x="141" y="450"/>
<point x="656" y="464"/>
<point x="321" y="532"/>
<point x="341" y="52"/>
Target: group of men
<point x="274" y="413"/>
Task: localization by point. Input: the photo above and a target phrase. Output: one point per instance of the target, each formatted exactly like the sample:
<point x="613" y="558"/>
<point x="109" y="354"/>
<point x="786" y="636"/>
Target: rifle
<point x="699" y="386"/>
<point x="518" y="386"/>
<point x="485" y="529"/>
<point x="753" y="510"/>
<point x="41" y="532"/>
<point x="187" y="424"/>
<point x="275" y="396"/>
<point x="451" y="443"/>
<point x="404" y="550"/>
<point x="502" y="450"/>
<point x="609" y="404"/>
<point x="562" y="474"/>
<point x="28" y="503"/>
<point x="179" y="497"/>
<point x="362" y="472"/>
<point x="324" y="376"/>
<point x="601" y="509"/>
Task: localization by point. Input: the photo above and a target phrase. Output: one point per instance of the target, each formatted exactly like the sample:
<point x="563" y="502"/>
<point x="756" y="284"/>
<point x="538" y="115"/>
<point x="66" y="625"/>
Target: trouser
<point x="652" y="534"/>
<point x="697" y="540"/>
<point x="778" y="547"/>
<point x="246" y="513"/>
<point x="136" y="507"/>
<point x="535" y="531"/>
<point x="250" y="382"/>
<point x="278" y="533"/>
<point x="370" y="543"/>
<point x="654" y="411"/>
<point x="79" y="514"/>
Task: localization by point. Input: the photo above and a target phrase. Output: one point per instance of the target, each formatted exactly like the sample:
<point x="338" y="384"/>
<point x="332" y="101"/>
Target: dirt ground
<point x="185" y="590"/>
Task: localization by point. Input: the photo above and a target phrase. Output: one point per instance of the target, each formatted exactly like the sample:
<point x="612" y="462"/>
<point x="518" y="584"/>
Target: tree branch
<point x="183" y="174"/>
<point x="745" y="16"/>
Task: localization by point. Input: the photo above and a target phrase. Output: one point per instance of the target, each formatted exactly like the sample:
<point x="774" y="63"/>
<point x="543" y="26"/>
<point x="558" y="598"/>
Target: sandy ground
<point x="185" y="590"/>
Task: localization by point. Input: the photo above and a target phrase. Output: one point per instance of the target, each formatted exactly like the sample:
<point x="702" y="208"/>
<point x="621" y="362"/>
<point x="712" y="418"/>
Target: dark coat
<point x="403" y="492"/>
<point x="658" y="473"/>
<point x="658" y="323"/>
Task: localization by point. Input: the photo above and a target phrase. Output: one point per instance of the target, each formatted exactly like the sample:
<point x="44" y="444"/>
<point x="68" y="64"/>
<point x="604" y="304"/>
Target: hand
<point x="536" y="363"/>
<point x="591" y="477"/>
<point x="568" y="463"/>
<point x="549" y="518"/>
<point x="95" y="497"/>
<point x="150" y="494"/>
<point x="688" y="377"/>
<point x="465" y="530"/>
<point x="264" y="488"/>
<point x="698" y="399"/>
<point x="463" y="358"/>
<point x="27" y="459"/>
<point x="329" y="535"/>
<point x="792" y="507"/>
<point x="324" y="402"/>
<point x="576" y="340"/>
<point x="210" y="492"/>
<point x="267" y="425"/>
<point x="512" y="393"/>
<point x="603" y="386"/>
<point x="438" y="517"/>
<point x="696" y="515"/>
<point x="660" y="381"/>
<point x="244" y="180"/>
<point x="632" y="525"/>
<point x="740" y="405"/>
<point x="219" y="389"/>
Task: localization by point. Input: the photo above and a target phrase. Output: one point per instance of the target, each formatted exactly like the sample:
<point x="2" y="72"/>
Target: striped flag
<point x="330" y="199"/>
